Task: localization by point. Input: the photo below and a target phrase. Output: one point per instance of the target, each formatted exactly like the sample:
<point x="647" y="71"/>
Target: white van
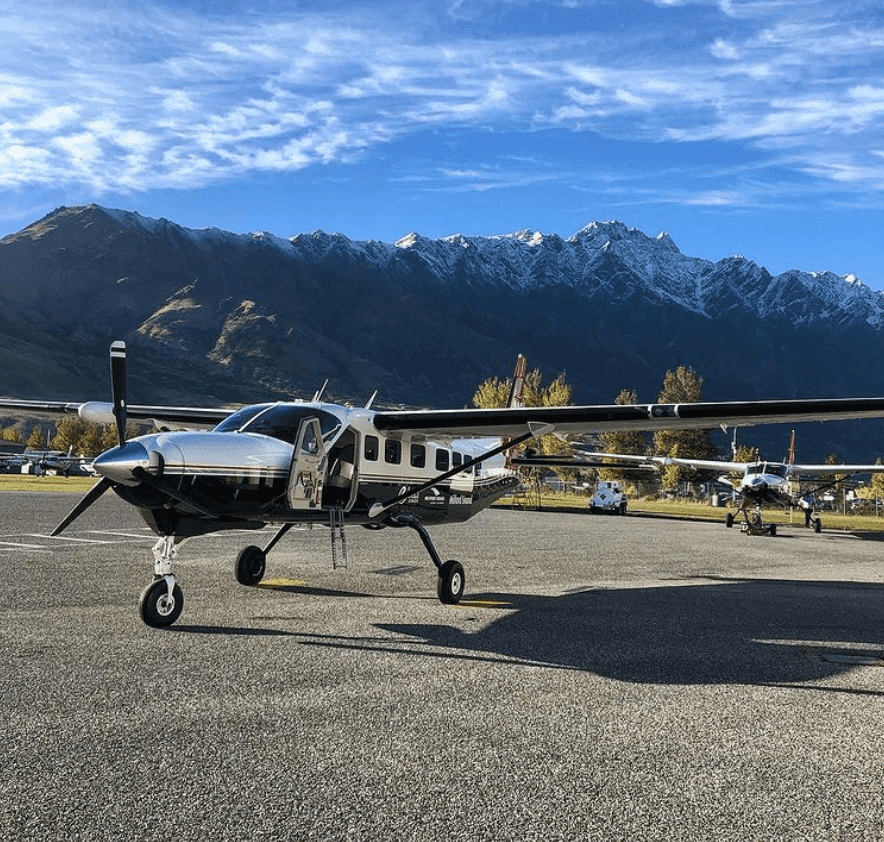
<point x="608" y="498"/>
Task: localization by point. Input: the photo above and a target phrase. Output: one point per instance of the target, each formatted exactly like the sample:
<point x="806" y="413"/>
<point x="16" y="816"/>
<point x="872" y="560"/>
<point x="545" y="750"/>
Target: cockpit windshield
<point x="235" y="422"/>
<point x="279" y="421"/>
<point x="773" y="468"/>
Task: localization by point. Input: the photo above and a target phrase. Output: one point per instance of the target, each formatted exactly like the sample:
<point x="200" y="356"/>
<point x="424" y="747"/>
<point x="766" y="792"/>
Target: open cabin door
<point x="308" y="467"/>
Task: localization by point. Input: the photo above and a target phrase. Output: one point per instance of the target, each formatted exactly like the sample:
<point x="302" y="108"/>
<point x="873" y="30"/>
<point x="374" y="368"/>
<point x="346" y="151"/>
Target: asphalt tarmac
<point x="604" y="678"/>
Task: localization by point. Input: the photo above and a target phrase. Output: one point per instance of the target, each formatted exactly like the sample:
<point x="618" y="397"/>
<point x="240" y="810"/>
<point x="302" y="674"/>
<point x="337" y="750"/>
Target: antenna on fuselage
<point x="318" y="396"/>
<point x="371" y="399"/>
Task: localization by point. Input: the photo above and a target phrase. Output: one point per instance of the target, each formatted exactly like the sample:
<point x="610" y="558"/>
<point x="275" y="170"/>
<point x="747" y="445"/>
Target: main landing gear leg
<point x="161" y="601"/>
<point x="452" y="581"/>
<point x="252" y="561"/>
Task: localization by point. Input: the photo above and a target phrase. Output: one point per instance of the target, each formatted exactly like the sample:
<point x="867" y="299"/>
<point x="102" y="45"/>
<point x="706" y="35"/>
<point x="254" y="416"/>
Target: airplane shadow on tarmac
<point x="755" y="632"/>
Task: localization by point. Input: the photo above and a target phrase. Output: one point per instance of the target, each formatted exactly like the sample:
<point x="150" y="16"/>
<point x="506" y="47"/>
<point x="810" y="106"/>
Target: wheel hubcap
<point x="165" y="605"/>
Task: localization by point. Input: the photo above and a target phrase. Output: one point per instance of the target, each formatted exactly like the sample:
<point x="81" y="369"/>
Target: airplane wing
<point x="831" y="470"/>
<point x="641" y="464"/>
<point x="163" y="417"/>
<point x="661" y="461"/>
<point x="464" y="423"/>
<point x="515" y="421"/>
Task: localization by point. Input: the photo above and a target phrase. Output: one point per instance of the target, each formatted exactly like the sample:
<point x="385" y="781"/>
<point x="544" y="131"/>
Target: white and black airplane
<point x="291" y="463"/>
<point x="759" y="483"/>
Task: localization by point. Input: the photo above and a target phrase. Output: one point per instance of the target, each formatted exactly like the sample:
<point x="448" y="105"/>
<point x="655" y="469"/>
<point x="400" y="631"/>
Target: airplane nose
<point x="119" y="463"/>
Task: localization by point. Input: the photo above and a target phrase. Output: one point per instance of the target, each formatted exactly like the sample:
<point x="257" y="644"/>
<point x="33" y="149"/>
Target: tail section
<point x="518" y="387"/>
<point x="515" y="399"/>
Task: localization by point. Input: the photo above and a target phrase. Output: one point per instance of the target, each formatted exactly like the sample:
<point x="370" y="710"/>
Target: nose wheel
<point x="161" y="602"/>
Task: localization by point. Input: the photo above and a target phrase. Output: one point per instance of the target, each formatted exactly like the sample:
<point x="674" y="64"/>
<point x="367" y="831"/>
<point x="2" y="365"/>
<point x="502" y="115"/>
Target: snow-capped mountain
<point x="212" y="315"/>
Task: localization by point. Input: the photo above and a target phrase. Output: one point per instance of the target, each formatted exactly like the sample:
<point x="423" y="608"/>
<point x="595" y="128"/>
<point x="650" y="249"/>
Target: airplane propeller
<point x="118" y="387"/>
<point x="91" y="496"/>
<point x="118" y="395"/>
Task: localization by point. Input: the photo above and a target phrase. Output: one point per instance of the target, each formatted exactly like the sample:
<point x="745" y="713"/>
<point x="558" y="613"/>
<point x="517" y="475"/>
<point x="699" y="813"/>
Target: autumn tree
<point x="744" y="453"/>
<point x="682" y="385"/>
<point x="630" y="442"/>
<point x="11" y="433"/>
<point x="37" y="439"/>
<point x="876" y="487"/>
<point x="494" y="392"/>
<point x="68" y="433"/>
<point x="839" y="490"/>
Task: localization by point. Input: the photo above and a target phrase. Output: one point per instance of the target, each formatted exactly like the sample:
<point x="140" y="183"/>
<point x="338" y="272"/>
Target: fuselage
<point x="766" y="482"/>
<point x="293" y="462"/>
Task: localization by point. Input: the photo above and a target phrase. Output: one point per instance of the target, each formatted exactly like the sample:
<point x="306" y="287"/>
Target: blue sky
<point x="751" y="127"/>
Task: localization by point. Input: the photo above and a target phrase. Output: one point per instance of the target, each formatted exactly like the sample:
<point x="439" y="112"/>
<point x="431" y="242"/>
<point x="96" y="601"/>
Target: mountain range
<point x="216" y="317"/>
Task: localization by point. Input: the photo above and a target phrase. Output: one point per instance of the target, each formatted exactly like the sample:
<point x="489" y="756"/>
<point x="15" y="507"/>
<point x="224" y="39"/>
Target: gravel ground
<point x="604" y="678"/>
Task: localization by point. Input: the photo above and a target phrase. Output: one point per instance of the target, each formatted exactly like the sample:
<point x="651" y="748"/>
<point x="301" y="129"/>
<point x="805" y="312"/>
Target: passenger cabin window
<point x="392" y="451"/>
<point x="418" y="456"/>
<point x="441" y="459"/>
<point x="456" y="459"/>
<point x="372" y="448"/>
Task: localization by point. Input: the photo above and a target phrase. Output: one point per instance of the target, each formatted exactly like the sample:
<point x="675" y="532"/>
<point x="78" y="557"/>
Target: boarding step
<point x="338" y="538"/>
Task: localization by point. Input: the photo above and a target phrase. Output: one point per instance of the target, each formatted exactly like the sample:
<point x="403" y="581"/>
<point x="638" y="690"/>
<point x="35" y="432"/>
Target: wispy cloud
<point x="160" y="95"/>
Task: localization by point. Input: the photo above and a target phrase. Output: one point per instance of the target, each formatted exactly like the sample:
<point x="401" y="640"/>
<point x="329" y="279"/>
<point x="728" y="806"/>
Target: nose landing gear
<point x="162" y="600"/>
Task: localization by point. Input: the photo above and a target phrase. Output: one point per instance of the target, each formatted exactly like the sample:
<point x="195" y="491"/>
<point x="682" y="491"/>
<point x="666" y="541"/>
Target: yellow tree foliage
<point x="68" y="432"/>
<point x="494" y="392"/>
<point x="630" y="442"/>
<point x="11" y="434"/>
<point x="682" y="385"/>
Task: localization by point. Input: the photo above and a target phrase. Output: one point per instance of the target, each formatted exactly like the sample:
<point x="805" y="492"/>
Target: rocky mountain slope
<point x="212" y="316"/>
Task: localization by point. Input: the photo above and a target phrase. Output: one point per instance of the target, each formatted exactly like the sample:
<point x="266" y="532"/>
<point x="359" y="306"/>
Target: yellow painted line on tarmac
<point x="483" y="603"/>
<point x="282" y="583"/>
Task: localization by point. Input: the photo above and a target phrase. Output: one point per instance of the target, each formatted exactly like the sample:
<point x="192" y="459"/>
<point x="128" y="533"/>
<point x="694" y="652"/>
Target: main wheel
<point x="729" y="520"/>
<point x="250" y="565"/>
<point x="773" y="529"/>
<point x="451" y="583"/>
<point x="157" y="609"/>
<point x="817" y="524"/>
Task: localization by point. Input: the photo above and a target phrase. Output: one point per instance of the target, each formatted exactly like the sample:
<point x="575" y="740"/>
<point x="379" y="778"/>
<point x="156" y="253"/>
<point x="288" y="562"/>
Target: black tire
<point x="817" y="524"/>
<point x="250" y="565"/>
<point x="773" y="529"/>
<point x="156" y="609"/>
<point x="451" y="583"/>
<point x="729" y="520"/>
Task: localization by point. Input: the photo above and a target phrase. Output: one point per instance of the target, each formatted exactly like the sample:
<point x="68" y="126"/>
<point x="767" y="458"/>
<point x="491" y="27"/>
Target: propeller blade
<point x="118" y="387"/>
<point x="91" y="496"/>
